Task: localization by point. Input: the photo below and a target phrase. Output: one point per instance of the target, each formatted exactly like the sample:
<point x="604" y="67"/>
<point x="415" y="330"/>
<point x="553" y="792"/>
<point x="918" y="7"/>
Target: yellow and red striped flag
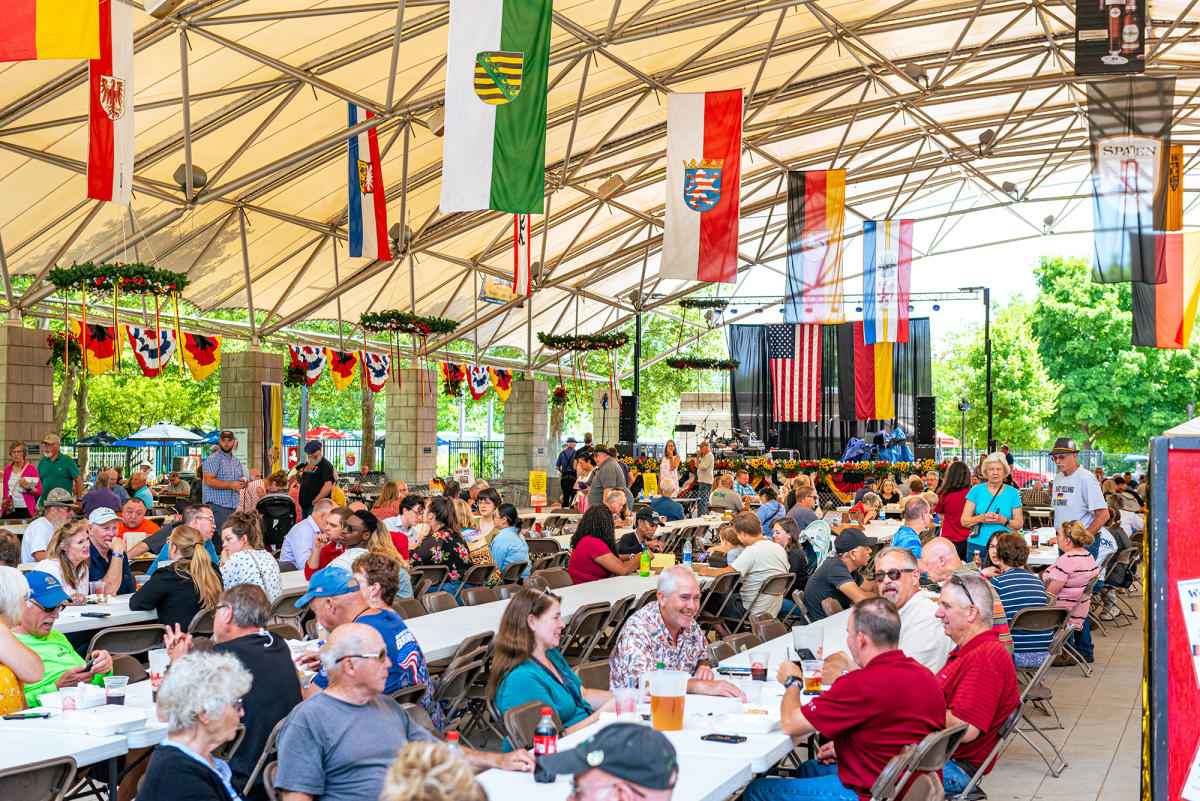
<point x="33" y="30"/>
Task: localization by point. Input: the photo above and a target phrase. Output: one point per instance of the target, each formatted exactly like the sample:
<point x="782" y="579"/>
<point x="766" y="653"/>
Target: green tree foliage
<point x="122" y="403"/>
<point x="1022" y="390"/>
<point x="1112" y="395"/>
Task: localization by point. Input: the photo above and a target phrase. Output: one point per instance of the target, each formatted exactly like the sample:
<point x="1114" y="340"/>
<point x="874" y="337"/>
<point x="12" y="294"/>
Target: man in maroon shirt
<point x="979" y="679"/>
<point x="867" y="719"/>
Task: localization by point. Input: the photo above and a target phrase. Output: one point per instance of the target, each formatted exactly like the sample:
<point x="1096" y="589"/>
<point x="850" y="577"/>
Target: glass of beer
<point x="114" y="689"/>
<point x="759" y="662"/>
<point x="667" y="691"/>
<point x="810" y="670"/>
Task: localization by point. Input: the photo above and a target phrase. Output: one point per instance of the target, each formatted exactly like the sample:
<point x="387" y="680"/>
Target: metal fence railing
<point x="486" y="457"/>
<point x="345" y="454"/>
<point x="162" y="457"/>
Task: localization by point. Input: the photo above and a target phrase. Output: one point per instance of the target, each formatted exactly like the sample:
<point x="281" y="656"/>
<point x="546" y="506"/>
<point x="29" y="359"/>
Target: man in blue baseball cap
<point x="334" y="597"/>
<point x="63" y="666"/>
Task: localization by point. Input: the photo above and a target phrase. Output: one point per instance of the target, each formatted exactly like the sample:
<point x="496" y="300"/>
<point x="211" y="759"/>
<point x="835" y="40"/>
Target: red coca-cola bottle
<point x="1131" y="31"/>
<point x="545" y="741"/>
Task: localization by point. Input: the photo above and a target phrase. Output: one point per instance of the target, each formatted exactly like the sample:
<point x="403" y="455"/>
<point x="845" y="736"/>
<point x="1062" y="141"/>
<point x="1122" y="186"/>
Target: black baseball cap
<point x="849" y="539"/>
<point x="638" y="754"/>
<point x="646" y="514"/>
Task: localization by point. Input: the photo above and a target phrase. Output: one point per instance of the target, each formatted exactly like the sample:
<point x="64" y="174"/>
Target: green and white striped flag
<point x="497" y="62"/>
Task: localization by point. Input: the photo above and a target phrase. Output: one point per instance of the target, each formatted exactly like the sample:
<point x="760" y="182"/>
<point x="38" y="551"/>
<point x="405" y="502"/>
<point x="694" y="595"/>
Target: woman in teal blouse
<point x="527" y="665"/>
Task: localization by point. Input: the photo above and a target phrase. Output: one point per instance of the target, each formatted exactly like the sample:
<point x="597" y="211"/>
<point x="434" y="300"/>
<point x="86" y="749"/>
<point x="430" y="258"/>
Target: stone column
<point x="26" y="387"/>
<point x="605" y="423"/>
<point x="410" y="420"/>
<point x="242" y="375"/>
<point x="525" y="429"/>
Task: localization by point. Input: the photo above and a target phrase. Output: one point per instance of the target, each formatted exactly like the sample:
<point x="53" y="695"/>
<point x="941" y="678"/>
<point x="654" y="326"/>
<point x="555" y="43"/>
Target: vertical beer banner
<point x="1110" y="37"/>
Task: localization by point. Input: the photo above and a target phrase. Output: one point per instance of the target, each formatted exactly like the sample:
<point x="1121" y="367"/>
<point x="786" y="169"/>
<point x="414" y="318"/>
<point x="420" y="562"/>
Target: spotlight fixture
<point x="985" y="140"/>
<point x="1009" y="188"/>
<point x="611" y="186"/>
<point x="936" y="307"/>
<point x="915" y="71"/>
<point x="437" y="121"/>
<point x="1047" y="223"/>
<point x="199" y="177"/>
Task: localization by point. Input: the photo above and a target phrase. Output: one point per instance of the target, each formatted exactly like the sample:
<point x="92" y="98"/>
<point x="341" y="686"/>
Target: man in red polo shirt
<point x="979" y="679"/>
<point x="867" y="719"/>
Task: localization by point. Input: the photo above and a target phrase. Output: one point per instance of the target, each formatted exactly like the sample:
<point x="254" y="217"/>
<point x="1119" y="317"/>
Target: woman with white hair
<point x="991" y="507"/>
<point x="201" y="701"/>
<point x="19" y="665"/>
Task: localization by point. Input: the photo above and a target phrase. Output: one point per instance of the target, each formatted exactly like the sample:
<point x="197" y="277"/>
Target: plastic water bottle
<point x="545" y="741"/>
<point x="687" y="551"/>
<point x="644" y="567"/>
<point x="454" y="745"/>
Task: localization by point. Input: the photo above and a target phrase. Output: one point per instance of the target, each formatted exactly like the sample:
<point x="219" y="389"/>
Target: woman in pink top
<point x="594" y="549"/>
<point x="952" y="494"/>
<point x="1067" y="579"/>
<point x="22" y="486"/>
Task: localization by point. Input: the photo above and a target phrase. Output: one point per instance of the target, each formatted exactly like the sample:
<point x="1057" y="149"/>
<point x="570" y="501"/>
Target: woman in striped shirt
<point x="1018" y="589"/>
<point x="1067" y="578"/>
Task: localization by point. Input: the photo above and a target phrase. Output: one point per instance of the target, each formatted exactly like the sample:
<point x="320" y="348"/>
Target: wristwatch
<point x="794" y="681"/>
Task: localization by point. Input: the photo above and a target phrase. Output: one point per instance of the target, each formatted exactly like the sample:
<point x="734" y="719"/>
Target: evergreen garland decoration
<point x="58" y="343"/>
<point x="703" y="303"/>
<point x="401" y="322"/>
<point x="133" y="278"/>
<point x="294" y="376"/>
<point x="688" y="363"/>
<point x="583" y="342"/>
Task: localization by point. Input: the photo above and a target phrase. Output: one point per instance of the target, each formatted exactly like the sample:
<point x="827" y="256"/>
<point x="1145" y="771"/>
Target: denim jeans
<point x="1081" y="640"/>
<point x="702" y="493"/>
<point x="956" y="776"/>
<point x="816" y="782"/>
<point x="973" y="549"/>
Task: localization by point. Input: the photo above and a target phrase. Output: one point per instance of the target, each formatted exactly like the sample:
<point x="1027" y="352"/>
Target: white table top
<point x="1046" y="553"/>
<point x="700" y="779"/>
<point x="136" y="695"/>
<point x="19" y="746"/>
<point x="71" y="620"/>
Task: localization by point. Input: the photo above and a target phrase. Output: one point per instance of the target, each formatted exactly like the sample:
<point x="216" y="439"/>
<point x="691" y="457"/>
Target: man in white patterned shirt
<point x="667" y="632"/>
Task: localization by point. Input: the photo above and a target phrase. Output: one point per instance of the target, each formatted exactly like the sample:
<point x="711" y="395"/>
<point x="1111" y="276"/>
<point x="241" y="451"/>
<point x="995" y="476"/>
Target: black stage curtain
<point x="751" y="389"/>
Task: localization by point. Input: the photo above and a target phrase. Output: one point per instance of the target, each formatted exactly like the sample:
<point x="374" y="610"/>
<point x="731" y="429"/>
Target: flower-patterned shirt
<point x="446" y="548"/>
<point x="644" y="641"/>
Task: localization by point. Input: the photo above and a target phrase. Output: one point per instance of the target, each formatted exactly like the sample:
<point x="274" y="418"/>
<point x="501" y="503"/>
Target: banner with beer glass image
<point x="1110" y="37"/>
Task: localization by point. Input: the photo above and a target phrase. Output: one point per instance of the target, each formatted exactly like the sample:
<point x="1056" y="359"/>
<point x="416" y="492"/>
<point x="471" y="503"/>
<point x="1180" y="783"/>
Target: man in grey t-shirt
<point x="803" y="511"/>
<point x="1076" y="494"/>
<point x="338" y="744"/>
<point x="607" y="475"/>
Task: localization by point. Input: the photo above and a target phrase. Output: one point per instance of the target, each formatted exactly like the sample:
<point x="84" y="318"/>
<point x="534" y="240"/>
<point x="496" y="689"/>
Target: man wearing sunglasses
<point x="63" y="666"/>
<point x="338" y="744"/>
<point x="922" y="637"/>
<point x="979" y="678"/>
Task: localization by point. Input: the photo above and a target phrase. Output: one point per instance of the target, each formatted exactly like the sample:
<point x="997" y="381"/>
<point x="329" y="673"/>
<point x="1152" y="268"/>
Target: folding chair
<point x="594" y="675"/>
<point x="467" y="646"/>
<point x="409" y="695"/>
<point x="227" y="749"/>
<point x="512" y="572"/>
<point x="773" y="586"/>
<point x="1007" y="730"/>
<point x="554" y="577"/>
<point x="768" y="629"/>
<point x="742" y="642"/>
<point x="267" y="752"/>
<point x="422" y="719"/>
<point x="436" y="575"/>
<point x="201" y="623"/>
<point x="452" y="691"/>
<point x="409" y="607"/>
<point x="645" y="598"/>
<point x="47" y="780"/>
<point x="579" y="637"/>
<point x="1068" y="649"/>
<point x="284" y="609"/>
<point x="130" y="640"/>
<point x="722" y="588"/>
<point x="719" y="651"/>
<point x="476" y="576"/>
<point x="506" y="591"/>
<point x="798" y="615"/>
<point x="607" y="639"/>
<point x="125" y="665"/>
<point x="537" y="582"/>
<point x="478" y="595"/>
<point x="887" y="783"/>
<point x="925" y="787"/>
<point x="438" y="602"/>
<point x="541" y="547"/>
<point x="831" y="606"/>
<point x="522" y="720"/>
<point x="268" y="777"/>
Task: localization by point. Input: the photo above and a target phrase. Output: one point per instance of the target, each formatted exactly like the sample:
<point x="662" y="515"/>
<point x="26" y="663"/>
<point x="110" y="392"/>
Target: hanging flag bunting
<point x="494" y="148"/>
<point x="153" y="350"/>
<point x="99" y="348"/>
<point x="375" y="367"/>
<point x="201" y="354"/>
<point x="521" y="281"/>
<point x="42" y="29"/>
<point x="816" y="208"/>
<point x="367" y="210"/>
<point x="110" y="111"/>
<point x="502" y="381"/>
<point x="887" y="269"/>
<point x="1163" y="314"/>
<point x="478" y="380"/>
<point x="311" y="358"/>
<point x="873" y="390"/>
<point x="1129" y="124"/>
<point x="454" y="375"/>
<point x="341" y="366"/>
<point x="794" y="357"/>
<point x="1174" y="213"/>
<point x="704" y="164"/>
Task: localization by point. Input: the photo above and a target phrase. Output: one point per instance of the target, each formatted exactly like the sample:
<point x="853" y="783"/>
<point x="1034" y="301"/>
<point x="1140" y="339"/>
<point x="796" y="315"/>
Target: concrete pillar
<point x="525" y="429"/>
<point x="410" y="420"/>
<point x="605" y="423"/>
<point x="26" y="387"/>
<point x="242" y="375"/>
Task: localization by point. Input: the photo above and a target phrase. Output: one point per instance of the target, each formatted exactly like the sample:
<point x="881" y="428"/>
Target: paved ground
<point x="1101" y="738"/>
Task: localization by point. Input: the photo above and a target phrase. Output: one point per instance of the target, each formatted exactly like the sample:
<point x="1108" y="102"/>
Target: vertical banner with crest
<point x="704" y="146"/>
<point x="1110" y="37"/>
<point x="497" y="67"/>
<point x="110" y="107"/>
<point x="887" y="270"/>
<point x="1129" y="122"/>
<point x="367" y="207"/>
<point x="815" y="228"/>
<point x="521" y="280"/>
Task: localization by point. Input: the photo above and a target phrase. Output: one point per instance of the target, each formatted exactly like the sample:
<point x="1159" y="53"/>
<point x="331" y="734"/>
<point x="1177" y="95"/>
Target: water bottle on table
<point x="687" y="551"/>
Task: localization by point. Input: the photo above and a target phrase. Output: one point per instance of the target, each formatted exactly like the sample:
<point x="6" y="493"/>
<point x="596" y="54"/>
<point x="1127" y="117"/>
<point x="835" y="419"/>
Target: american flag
<point x="794" y="355"/>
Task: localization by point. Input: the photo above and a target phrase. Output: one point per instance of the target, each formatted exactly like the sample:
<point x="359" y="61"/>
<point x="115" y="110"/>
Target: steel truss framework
<point x="255" y="92"/>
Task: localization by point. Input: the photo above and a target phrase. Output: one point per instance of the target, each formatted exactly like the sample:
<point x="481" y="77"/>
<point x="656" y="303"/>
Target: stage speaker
<point x="627" y="425"/>
<point x="926" y="421"/>
<point x="923" y="452"/>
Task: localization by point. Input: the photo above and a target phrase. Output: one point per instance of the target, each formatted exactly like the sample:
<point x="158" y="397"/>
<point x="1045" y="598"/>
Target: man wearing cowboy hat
<point x="1076" y="494"/>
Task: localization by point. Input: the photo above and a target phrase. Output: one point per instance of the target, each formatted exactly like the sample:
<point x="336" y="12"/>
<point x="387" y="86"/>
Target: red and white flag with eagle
<point x="309" y="357"/>
<point x="110" y="110"/>
<point x="375" y="369"/>
<point x="153" y="350"/>
<point x="341" y="366"/>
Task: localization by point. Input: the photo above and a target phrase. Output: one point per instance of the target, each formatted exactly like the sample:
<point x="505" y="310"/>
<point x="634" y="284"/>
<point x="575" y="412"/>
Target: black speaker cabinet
<point x="627" y="426"/>
<point x="926" y="420"/>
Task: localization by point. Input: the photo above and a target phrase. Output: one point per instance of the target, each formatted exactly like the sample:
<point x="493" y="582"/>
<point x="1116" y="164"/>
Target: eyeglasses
<point x="50" y="609"/>
<point x="957" y="580"/>
<point x="237" y="704"/>
<point x="379" y="656"/>
<point x="893" y="574"/>
<point x="1058" y="457"/>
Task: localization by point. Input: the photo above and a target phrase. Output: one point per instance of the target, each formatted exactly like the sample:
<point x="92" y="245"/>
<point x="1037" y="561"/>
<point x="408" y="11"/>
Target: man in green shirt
<point x="56" y="469"/>
<point x="64" y="667"/>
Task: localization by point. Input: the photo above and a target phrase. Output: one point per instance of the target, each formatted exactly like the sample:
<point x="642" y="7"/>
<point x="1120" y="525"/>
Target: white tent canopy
<point x="254" y="92"/>
<point x="1191" y="428"/>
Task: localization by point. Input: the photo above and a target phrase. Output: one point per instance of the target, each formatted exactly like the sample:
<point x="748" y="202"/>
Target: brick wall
<point x="26" y="386"/>
<point x="410" y="421"/>
<point x="525" y="429"/>
<point x="242" y="374"/>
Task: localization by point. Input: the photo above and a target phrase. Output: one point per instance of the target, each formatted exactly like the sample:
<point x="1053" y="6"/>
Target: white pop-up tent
<point x="1189" y="429"/>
